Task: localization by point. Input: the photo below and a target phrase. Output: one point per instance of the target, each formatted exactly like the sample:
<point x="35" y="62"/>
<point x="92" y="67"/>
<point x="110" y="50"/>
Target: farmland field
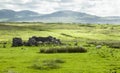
<point x="24" y="59"/>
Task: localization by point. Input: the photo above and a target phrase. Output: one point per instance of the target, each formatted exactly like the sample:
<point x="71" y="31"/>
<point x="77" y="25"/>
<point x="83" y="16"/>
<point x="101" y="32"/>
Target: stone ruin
<point x="17" y="42"/>
<point x="35" y="41"/>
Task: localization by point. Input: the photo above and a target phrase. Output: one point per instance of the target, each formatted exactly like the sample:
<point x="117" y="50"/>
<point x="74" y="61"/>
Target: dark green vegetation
<point x="102" y="43"/>
<point x="64" y="50"/>
<point x="47" y="64"/>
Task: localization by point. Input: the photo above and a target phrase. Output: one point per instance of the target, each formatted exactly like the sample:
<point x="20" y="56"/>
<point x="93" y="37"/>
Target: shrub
<point x="114" y="45"/>
<point x="64" y="50"/>
<point x="37" y="66"/>
<point x="48" y="64"/>
<point x="54" y="60"/>
<point x="111" y="44"/>
<point x="59" y="61"/>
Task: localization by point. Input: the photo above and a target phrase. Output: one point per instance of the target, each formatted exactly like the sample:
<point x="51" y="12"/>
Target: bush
<point x="48" y="64"/>
<point x="64" y="50"/>
<point x="114" y="45"/>
<point x="111" y="44"/>
<point x="59" y="61"/>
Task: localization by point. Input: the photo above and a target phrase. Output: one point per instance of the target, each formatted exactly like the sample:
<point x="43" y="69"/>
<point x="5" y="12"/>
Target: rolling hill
<point x="65" y="16"/>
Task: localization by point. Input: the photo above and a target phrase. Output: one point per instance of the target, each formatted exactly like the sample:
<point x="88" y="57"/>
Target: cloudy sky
<point x="94" y="7"/>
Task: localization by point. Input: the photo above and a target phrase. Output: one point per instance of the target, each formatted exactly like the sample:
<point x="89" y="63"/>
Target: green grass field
<point x="30" y="60"/>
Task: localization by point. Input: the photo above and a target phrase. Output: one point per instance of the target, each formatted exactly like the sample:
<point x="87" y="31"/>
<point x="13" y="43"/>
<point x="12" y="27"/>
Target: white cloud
<point x="95" y="7"/>
<point x="105" y="8"/>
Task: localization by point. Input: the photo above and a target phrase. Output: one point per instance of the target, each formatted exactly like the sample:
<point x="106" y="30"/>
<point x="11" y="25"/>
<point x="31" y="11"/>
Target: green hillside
<point x="24" y="59"/>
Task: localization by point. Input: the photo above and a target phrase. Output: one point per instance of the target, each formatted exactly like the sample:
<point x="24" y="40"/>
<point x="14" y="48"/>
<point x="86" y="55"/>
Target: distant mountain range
<point x="60" y="16"/>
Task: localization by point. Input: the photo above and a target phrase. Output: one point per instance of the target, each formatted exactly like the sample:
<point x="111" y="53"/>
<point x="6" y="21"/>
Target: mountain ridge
<point x="65" y="16"/>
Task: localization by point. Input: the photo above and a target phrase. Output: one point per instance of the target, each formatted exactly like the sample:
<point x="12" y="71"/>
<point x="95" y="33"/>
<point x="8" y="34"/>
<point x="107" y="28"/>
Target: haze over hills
<point x="60" y="16"/>
<point x="6" y="15"/>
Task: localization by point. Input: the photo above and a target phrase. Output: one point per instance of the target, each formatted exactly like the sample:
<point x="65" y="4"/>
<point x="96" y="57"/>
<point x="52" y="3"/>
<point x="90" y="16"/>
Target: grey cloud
<point x="88" y="4"/>
<point x="63" y="4"/>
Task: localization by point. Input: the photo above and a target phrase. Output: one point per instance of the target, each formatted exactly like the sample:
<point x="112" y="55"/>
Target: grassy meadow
<point x="102" y="43"/>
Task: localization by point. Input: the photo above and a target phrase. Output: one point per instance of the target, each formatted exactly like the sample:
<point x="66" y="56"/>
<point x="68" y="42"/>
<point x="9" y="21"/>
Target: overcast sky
<point x="95" y="7"/>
